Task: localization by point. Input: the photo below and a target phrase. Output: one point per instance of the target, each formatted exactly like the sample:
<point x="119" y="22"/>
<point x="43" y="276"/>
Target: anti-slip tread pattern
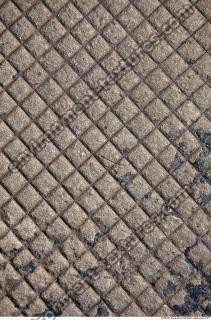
<point x="115" y="165"/>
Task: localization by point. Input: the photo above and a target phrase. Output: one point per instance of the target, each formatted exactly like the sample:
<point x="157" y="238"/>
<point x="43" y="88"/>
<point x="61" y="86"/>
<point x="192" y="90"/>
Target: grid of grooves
<point x="122" y="127"/>
<point x="102" y="116"/>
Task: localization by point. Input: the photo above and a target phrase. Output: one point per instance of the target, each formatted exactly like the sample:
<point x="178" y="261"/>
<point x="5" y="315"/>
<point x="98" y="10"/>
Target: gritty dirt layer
<point x="141" y="141"/>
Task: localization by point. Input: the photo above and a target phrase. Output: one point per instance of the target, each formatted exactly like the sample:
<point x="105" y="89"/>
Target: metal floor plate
<point x="105" y="209"/>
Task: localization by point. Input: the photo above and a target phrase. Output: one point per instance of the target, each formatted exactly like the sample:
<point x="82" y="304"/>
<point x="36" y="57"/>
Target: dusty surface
<point x="113" y="167"/>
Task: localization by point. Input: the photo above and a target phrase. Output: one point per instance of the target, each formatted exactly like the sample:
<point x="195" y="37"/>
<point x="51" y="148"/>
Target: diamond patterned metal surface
<point x="99" y="183"/>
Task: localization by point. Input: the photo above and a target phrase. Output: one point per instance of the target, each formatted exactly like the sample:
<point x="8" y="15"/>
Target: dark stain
<point x="125" y="178"/>
<point x="170" y="288"/>
<point x="87" y="272"/>
<point x="47" y="313"/>
<point x="180" y="275"/>
<point x="15" y="76"/>
<point x="203" y="137"/>
<point x="57" y="242"/>
<point x="176" y="273"/>
<point x="173" y="133"/>
<point x="147" y="196"/>
<point x="203" y="176"/>
<point x="198" y="291"/>
<point x="11" y="254"/>
<point x="176" y="162"/>
<point x="52" y="311"/>
<point x="10" y="283"/>
<point x="125" y="152"/>
<point x="106" y="229"/>
<point x="96" y="239"/>
<point x="208" y="310"/>
<point x="183" y="147"/>
<point x="3" y="265"/>
<point x="92" y="272"/>
<point x="209" y="80"/>
<point x="28" y="268"/>
<point x="201" y="201"/>
<point x="190" y="61"/>
<point x="102" y="312"/>
<point x="195" y="294"/>
<point x="194" y="265"/>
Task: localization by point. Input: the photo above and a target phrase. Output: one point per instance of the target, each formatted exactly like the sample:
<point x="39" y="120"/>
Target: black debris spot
<point x="199" y="291"/>
<point x="96" y="239"/>
<point x="176" y="273"/>
<point x="102" y="312"/>
<point x="208" y="310"/>
<point x="201" y="201"/>
<point x="204" y="137"/>
<point x="57" y="242"/>
<point x="187" y="307"/>
<point x="125" y="178"/>
<point x="28" y="268"/>
<point x="3" y="265"/>
<point x="176" y="162"/>
<point x="13" y="252"/>
<point x="203" y="176"/>
<point x="47" y="313"/>
<point x="125" y="152"/>
<point x="209" y="79"/>
<point x="188" y="258"/>
<point x="106" y="229"/>
<point x="190" y="61"/>
<point x="195" y="266"/>
<point x="15" y="76"/>
<point x="170" y="288"/>
<point x="82" y="273"/>
<point x="147" y="196"/>
<point x="53" y="309"/>
<point x="93" y="269"/>
<point x="173" y="133"/>
<point x="183" y="147"/>
<point x="87" y="272"/>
